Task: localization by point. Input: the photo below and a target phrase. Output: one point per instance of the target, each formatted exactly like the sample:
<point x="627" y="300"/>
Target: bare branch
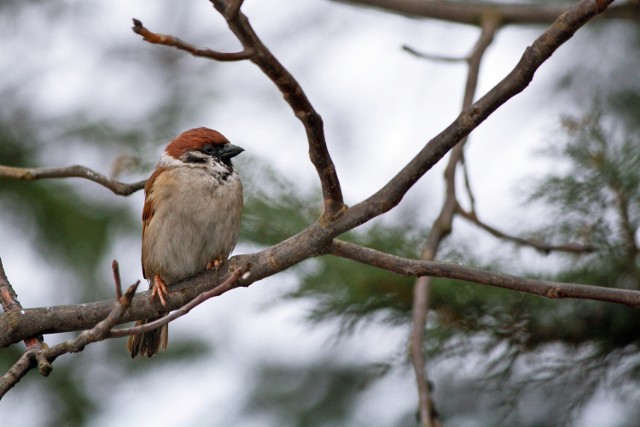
<point x="432" y="56"/>
<point x="291" y="90"/>
<point x="545" y="248"/>
<point x="467" y="184"/>
<point x="116" y="278"/>
<point x="99" y="332"/>
<point x="544" y="288"/>
<point x="440" y="229"/>
<point x="295" y="96"/>
<point x="233" y="9"/>
<point x="75" y="171"/>
<point x="473" y="12"/>
<point x="225" y="286"/>
<point x="163" y="39"/>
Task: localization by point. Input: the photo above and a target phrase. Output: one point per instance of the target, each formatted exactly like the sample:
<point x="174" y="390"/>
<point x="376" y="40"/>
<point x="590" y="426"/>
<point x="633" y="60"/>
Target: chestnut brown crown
<point x="194" y="139"/>
<point x="202" y="145"/>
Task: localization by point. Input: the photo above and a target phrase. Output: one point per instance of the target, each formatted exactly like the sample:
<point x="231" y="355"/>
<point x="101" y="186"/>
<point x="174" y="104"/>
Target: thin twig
<point x="223" y="287"/>
<point x="545" y="248"/>
<point x="544" y="288"/>
<point x="166" y="40"/>
<point x="97" y="333"/>
<point x="116" y="279"/>
<point x="75" y="171"/>
<point x="467" y="184"/>
<point x="433" y="56"/>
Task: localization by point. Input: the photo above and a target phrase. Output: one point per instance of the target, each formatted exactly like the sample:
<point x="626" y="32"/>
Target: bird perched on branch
<point x="190" y="220"/>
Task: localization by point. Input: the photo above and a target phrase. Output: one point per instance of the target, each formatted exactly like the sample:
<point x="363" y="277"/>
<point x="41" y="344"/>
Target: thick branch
<point x="76" y="171"/>
<point x="99" y="332"/>
<point x="544" y="288"/>
<point x="18" y="325"/>
<point x="473" y="12"/>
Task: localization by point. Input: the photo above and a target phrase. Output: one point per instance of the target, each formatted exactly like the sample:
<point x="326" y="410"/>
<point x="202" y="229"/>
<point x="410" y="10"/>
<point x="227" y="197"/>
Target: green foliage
<point x="274" y="207"/>
<point x="597" y="197"/>
<point x="318" y="395"/>
<point x="354" y="292"/>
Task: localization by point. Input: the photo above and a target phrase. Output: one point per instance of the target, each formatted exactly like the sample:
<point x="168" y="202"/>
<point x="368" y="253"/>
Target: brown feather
<point x="148" y="210"/>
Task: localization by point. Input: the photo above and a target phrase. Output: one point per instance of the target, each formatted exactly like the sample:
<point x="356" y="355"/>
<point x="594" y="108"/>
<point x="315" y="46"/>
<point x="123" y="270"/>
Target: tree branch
<point x="75" y="171"/>
<point x="317" y="238"/>
<point x="472" y="12"/>
<point x="545" y="248"/>
<point x="544" y="288"/>
<point x="99" y="332"/>
<point x="163" y="39"/>
<point x="17" y="325"/>
<point x="440" y="229"/>
<point x="291" y="90"/>
<point x="228" y="284"/>
<point x="515" y="82"/>
<point x="295" y="96"/>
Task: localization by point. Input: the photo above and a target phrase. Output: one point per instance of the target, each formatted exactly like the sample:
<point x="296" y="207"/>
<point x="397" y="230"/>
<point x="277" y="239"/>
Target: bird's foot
<point x="159" y="290"/>
<point x="215" y="263"/>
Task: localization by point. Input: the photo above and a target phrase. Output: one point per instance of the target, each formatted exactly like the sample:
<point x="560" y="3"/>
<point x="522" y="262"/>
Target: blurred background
<point x="324" y="343"/>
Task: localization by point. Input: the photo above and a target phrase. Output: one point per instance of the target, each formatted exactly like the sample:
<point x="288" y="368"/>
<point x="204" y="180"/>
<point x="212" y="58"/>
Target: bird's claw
<point x="159" y="290"/>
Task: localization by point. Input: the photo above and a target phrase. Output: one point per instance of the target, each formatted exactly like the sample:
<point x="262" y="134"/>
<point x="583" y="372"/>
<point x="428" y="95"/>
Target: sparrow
<point x="190" y="220"/>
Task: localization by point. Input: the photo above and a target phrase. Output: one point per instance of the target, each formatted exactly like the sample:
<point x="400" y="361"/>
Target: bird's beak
<point x="230" y="151"/>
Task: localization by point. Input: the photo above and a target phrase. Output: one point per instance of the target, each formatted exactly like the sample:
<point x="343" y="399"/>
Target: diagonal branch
<point x="75" y="171"/>
<point x="545" y="248"/>
<point x="515" y="82"/>
<point x="17" y="325"/>
<point x="291" y="90"/>
<point x="225" y="286"/>
<point x="295" y="96"/>
<point x="544" y="288"/>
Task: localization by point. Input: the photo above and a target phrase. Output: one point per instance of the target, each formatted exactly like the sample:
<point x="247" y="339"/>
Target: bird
<point x="190" y="219"/>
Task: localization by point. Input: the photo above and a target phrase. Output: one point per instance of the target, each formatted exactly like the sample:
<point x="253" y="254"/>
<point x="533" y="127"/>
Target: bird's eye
<point x="208" y="149"/>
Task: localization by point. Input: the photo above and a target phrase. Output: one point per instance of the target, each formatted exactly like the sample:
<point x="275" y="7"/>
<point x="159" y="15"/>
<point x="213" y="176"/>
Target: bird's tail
<point x="148" y="343"/>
